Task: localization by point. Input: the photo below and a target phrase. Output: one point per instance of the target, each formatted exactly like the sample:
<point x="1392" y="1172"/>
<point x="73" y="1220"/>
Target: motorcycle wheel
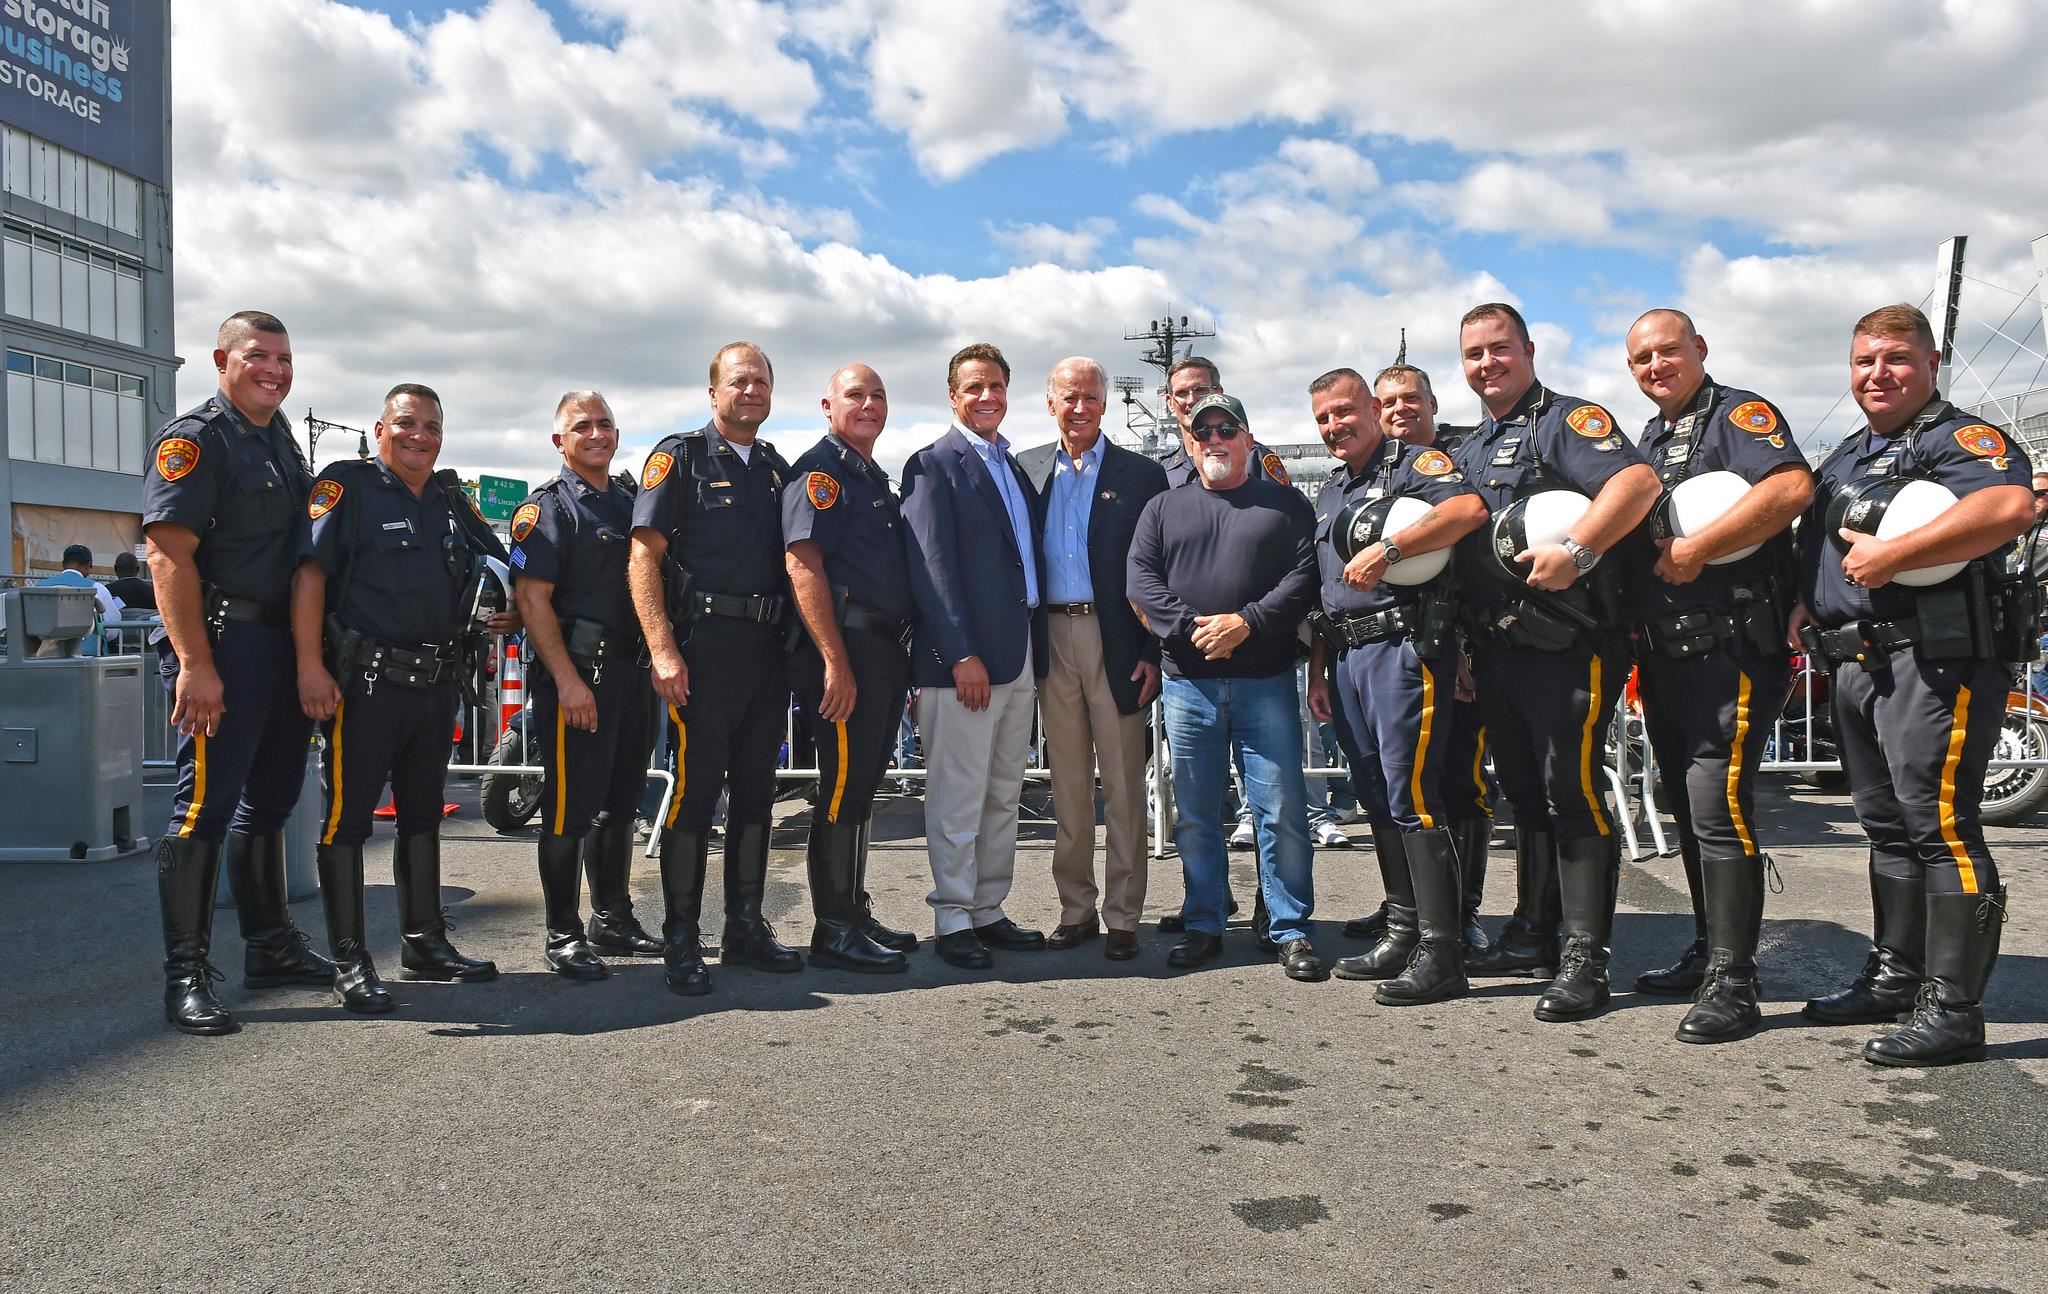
<point x="509" y="799"/>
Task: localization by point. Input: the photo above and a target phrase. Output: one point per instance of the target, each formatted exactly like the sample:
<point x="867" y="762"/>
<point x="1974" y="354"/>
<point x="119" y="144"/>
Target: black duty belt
<point x="1341" y="632"/>
<point x="868" y="620"/>
<point x="762" y="608"/>
<point x="1693" y="634"/>
<point x="219" y="608"/>
<point x="1071" y="608"/>
<point x="592" y="645"/>
<point x="417" y="667"/>
<point x="1860" y="640"/>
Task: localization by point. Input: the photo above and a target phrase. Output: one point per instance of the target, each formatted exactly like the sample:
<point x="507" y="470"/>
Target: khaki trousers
<point x="1084" y="732"/>
<point x="973" y="774"/>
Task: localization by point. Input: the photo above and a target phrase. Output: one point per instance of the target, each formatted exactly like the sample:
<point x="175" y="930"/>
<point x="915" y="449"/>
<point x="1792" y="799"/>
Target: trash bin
<point x="70" y="735"/>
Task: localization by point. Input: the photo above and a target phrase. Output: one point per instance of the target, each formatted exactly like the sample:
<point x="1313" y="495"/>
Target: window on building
<point x="75" y="414"/>
<point x="70" y="182"/>
<point x="68" y="284"/>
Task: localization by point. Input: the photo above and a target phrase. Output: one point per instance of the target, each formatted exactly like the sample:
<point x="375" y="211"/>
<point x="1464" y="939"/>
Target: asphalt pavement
<point x="1059" y="1122"/>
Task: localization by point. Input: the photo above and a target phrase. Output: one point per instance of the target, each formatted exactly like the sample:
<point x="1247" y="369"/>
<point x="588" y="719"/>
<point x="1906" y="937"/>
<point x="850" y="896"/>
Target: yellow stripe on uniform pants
<point x="1958" y="726"/>
<point x="561" y="768"/>
<point x="839" y="775"/>
<point x="675" y="799"/>
<point x="334" y="774"/>
<point x="1595" y="712"/>
<point x="198" y="784"/>
<point x="1415" y="776"/>
<point x="1735" y="765"/>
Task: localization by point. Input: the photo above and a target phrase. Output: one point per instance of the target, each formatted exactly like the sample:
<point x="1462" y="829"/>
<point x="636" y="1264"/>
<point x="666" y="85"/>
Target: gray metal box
<point x="71" y="757"/>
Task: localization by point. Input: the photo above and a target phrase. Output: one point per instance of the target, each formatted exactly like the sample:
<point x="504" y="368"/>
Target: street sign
<point x="498" y="497"/>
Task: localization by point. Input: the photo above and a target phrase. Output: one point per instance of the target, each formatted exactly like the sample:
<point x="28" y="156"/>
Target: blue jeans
<point x="1207" y="720"/>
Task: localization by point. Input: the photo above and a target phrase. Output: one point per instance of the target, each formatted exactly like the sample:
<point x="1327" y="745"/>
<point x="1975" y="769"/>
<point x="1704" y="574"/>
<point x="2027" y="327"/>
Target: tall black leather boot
<point x="424" y="950"/>
<point x="1472" y="837"/>
<point x="1724" y="1009"/>
<point x="1890" y="979"/>
<point x="186" y="872"/>
<point x="902" y="941"/>
<point x="566" y="952"/>
<point x="608" y="862"/>
<point x="356" y="985"/>
<point x="749" y="940"/>
<point x="1436" y="969"/>
<point x="1587" y="870"/>
<point x="1389" y="956"/>
<point x="839" y="938"/>
<point x="683" y="856"/>
<point x="1685" y="974"/>
<point x="1947" y="1024"/>
<point x="1371" y="926"/>
<point x="274" y="949"/>
<point x="1528" y="942"/>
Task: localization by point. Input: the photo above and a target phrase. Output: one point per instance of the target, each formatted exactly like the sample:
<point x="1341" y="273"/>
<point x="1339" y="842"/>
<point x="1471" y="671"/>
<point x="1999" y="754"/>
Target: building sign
<point x="88" y="75"/>
<point x="498" y="497"/>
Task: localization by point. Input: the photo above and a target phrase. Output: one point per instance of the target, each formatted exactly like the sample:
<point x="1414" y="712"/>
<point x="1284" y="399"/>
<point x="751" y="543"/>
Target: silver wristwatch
<point x="1582" y="557"/>
<point x="1391" y="550"/>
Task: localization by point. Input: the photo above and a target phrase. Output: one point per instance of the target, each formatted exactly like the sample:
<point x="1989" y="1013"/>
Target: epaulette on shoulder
<point x="342" y="467"/>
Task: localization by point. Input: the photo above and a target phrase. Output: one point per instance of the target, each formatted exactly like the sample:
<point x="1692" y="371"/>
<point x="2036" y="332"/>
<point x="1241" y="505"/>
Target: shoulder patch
<point x="657" y="470"/>
<point x="524" y="520"/>
<point x="1434" y="462"/>
<point x="821" y="490"/>
<point x="1983" y="441"/>
<point x="175" y="456"/>
<point x="325" y="495"/>
<point x="1754" y="417"/>
<point x="1590" y="421"/>
<point x="1271" y="462"/>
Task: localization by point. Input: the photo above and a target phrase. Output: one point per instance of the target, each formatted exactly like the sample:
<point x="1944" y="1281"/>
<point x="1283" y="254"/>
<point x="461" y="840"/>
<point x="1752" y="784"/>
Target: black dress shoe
<point x="964" y="949"/>
<point x="1007" y="934"/>
<point x="1197" y="948"/>
<point x="1172" y="924"/>
<point x="1299" y="959"/>
<point x="1073" y="936"/>
<point x="1121" y="946"/>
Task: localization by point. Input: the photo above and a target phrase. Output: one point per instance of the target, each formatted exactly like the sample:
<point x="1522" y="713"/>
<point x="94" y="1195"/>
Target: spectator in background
<point x="134" y="592"/>
<point x="77" y="574"/>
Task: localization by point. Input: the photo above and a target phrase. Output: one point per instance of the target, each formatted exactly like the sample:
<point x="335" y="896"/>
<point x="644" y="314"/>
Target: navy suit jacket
<point x="965" y="571"/>
<point x="1126" y="483"/>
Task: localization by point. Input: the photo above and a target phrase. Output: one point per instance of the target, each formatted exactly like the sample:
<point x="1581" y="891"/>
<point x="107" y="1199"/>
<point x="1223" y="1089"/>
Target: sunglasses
<point x="1216" y="431"/>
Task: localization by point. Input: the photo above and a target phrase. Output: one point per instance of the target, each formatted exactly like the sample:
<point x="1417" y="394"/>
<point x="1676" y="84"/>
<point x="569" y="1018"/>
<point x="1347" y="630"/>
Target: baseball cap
<point x="1228" y="403"/>
<point x="77" y="553"/>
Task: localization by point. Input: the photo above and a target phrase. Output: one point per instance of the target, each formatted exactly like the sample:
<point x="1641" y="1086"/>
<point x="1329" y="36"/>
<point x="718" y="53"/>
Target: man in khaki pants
<point x="1103" y="668"/>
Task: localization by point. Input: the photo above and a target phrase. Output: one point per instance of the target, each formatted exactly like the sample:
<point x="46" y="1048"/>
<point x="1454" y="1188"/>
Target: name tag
<point x="1674" y="455"/>
<point x="398" y="525"/>
<point x="1504" y="456"/>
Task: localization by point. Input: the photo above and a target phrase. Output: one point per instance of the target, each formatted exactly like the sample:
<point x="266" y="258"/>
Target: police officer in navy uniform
<point x="1710" y="650"/>
<point x="593" y="708"/>
<point x="1408" y="408"/>
<point x="1920" y="681"/>
<point x="223" y="495"/>
<point x="1394" y="651"/>
<point x="378" y="620"/>
<point x="849" y="575"/>
<point x="1547" y="656"/>
<point x="713" y="615"/>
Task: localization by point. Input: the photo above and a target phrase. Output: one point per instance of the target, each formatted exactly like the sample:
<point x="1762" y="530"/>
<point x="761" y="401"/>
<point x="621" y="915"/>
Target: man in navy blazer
<point x="1102" y="667"/>
<point x="973" y="521"/>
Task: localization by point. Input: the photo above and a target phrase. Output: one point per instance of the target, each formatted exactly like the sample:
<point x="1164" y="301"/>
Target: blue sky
<point x="887" y="179"/>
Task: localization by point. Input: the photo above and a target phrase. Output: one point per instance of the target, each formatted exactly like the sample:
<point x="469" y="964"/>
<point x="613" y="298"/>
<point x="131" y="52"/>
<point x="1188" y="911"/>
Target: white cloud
<point x="1034" y="242"/>
<point x="960" y="83"/>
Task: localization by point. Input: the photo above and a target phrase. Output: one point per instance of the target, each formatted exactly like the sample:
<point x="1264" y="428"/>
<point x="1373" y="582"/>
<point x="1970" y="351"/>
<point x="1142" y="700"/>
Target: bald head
<point x="1668" y="359"/>
<point x="856" y="407"/>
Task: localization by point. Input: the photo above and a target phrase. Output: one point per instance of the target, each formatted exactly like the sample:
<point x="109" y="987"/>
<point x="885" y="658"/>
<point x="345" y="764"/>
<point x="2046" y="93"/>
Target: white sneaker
<point x="1329" y="836"/>
<point x="1244" y="837"/>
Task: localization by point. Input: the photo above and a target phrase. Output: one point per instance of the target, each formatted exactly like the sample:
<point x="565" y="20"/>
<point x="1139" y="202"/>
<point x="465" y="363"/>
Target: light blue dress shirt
<point x="1068" y="504"/>
<point x="995" y="456"/>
